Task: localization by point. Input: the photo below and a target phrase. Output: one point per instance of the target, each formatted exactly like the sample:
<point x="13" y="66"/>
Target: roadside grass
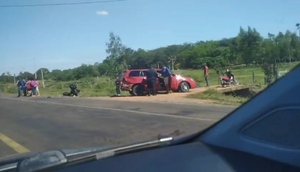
<point x="252" y="76"/>
<point x="245" y="75"/>
<point x="218" y="98"/>
<point x="89" y="87"/>
<point x="104" y="86"/>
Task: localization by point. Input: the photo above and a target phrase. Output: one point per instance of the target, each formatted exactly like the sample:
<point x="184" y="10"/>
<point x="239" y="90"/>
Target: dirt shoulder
<point x="189" y="98"/>
<point x="168" y="98"/>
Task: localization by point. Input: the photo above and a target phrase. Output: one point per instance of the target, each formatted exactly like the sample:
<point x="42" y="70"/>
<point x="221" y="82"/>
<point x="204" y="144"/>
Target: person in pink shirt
<point x="34" y="85"/>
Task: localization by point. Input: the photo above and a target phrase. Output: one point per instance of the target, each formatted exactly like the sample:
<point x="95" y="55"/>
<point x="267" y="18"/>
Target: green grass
<point x="243" y="74"/>
<point x="89" y="87"/>
<point x="218" y="98"/>
<point x="103" y="86"/>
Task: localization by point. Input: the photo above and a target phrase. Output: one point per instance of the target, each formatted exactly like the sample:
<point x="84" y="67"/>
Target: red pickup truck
<point x="134" y="81"/>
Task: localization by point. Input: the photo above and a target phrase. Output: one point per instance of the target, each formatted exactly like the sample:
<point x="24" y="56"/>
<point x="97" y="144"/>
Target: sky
<point x="63" y="37"/>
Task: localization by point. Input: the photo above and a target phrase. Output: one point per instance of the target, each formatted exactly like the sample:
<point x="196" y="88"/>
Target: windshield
<point x="73" y="72"/>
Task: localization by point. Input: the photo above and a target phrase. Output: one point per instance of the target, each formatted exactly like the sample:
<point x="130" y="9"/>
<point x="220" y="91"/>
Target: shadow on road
<point x="158" y="93"/>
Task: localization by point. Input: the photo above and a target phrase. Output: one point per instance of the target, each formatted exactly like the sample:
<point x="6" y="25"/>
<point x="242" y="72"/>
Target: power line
<point x="61" y="4"/>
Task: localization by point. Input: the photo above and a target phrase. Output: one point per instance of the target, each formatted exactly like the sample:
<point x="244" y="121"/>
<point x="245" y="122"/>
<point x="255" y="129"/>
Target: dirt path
<point x="176" y="98"/>
<point x="169" y="98"/>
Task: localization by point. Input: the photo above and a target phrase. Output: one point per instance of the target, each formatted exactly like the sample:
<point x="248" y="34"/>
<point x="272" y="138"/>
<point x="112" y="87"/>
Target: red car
<point x="134" y="81"/>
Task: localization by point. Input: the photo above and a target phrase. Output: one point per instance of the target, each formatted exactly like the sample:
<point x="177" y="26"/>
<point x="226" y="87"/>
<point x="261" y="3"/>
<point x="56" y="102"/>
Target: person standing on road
<point x="166" y="73"/>
<point x="118" y="86"/>
<point x="206" y="73"/>
<point x="19" y="85"/>
<point x="24" y="87"/>
<point x="34" y="85"/>
<point x="151" y="81"/>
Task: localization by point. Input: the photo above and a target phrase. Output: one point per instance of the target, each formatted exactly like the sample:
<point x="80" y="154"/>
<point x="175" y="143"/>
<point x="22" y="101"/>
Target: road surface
<point x="39" y="123"/>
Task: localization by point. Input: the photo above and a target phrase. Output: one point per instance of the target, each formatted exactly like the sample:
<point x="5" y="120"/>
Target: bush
<point x="217" y="97"/>
<point x="104" y="87"/>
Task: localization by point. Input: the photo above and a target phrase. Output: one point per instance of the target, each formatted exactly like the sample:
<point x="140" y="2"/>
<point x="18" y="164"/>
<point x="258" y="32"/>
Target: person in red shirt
<point x="206" y="73"/>
<point x="28" y="87"/>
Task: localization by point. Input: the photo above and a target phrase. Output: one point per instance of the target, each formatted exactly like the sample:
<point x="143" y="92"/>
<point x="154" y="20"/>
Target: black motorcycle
<point x="73" y="91"/>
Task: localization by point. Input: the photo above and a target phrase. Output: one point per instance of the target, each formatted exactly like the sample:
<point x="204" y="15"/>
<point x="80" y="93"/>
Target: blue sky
<point x="62" y="37"/>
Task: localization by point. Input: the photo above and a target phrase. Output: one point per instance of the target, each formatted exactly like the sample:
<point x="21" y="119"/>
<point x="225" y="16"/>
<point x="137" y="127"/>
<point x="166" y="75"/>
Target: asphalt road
<point x="35" y="124"/>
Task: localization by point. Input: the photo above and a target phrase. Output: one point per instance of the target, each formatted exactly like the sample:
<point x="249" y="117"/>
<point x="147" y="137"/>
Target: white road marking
<point x="113" y="109"/>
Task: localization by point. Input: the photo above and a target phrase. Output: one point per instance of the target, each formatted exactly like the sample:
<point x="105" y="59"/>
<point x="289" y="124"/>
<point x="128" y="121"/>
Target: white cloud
<point x="102" y="13"/>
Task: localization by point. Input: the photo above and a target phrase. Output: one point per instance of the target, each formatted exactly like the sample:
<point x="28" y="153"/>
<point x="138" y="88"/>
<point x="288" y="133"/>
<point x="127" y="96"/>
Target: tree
<point x="298" y="27"/>
<point x="25" y="75"/>
<point x="247" y="47"/>
<point x="270" y="54"/>
<point x="115" y="62"/>
<point x="45" y="73"/>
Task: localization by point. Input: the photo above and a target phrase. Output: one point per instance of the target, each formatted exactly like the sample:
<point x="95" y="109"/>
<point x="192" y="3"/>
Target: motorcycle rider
<point x="74" y="91"/>
<point x="230" y="75"/>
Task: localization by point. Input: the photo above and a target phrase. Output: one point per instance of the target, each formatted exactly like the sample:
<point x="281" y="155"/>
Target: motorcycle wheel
<point x="236" y="82"/>
<point x="222" y="83"/>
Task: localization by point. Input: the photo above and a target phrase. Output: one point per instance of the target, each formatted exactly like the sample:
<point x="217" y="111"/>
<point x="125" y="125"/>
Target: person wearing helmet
<point x="74" y="91"/>
<point x="229" y="74"/>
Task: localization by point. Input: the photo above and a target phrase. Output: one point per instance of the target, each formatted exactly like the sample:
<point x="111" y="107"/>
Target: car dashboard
<point x="195" y="156"/>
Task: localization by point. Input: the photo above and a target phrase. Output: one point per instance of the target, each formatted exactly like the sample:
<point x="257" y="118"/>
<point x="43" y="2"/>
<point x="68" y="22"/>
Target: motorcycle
<point x="74" y="91"/>
<point x="226" y="81"/>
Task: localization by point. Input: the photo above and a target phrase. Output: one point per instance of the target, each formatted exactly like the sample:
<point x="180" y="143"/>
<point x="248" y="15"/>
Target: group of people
<point x="152" y="76"/>
<point x="28" y="88"/>
<point x="31" y="87"/>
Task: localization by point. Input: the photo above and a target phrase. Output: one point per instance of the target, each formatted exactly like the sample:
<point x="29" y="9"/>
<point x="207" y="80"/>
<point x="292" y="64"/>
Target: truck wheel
<point x="138" y="90"/>
<point x="184" y="87"/>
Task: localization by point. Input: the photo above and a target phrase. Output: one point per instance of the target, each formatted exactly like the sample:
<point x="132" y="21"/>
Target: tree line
<point x="248" y="48"/>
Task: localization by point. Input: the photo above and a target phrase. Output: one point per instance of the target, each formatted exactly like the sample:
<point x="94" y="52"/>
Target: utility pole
<point x="298" y="27"/>
<point x="34" y="69"/>
<point x="42" y="74"/>
<point x="289" y="50"/>
<point x="172" y="59"/>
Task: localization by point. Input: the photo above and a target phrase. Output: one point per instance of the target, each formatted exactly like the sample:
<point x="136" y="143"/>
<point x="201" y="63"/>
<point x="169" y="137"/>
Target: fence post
<point x="253" y="78"/>
<point x="265" y="80"/>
